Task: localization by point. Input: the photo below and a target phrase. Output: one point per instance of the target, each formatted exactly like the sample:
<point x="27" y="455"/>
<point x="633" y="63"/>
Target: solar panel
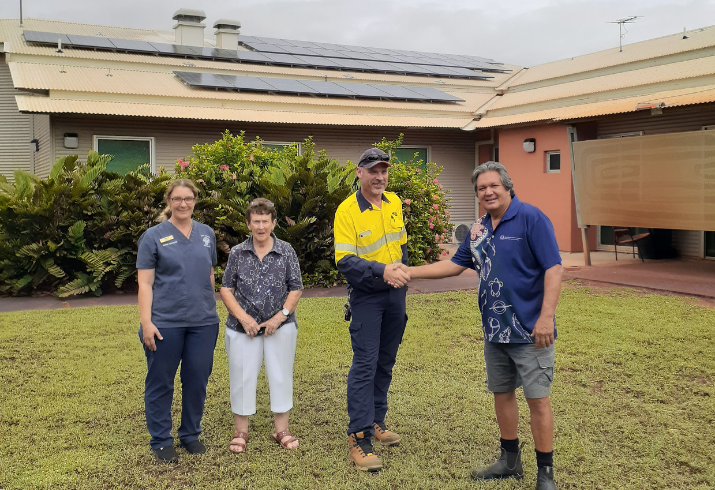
<point x="252" y="57"/>
<point x="248" y="83"/>
<point x="320" y="62"/>
<point x="45" y="37"/>
<point x="90" y="42"/>
<point x="284" y="59"/>
<point x="351" y="64"/>
<point x="365" y="90"/>
<point x="135" y="46"/>
<point x="287" y="86"/>
<point x="295" y="53"/>
<point x="434" y="94"/>
<point x="328" y="88"/>
<point x="208" y="80"/>
<point x="398" y="92"/>
<point x="176" y="49"/>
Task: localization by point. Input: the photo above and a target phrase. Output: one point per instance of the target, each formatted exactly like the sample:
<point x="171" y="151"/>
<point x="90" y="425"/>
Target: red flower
<point x="408" y="201"/>
<point x="223" y="167"/>
<point x="435" y="207"/>
<point x="435" y="181"/>
<point x="183" y="163"/>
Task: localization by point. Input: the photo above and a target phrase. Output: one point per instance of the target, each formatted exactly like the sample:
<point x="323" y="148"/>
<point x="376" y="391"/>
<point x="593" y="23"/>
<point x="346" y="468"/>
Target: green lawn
<point x="633" y="396"/>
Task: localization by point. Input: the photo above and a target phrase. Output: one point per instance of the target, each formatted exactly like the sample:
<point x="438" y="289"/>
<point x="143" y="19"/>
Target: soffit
<point x="670" y="98"/>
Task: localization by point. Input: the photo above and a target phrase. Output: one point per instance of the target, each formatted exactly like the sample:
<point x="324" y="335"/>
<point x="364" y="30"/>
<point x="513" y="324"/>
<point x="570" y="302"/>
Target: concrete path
<point x="682" y="277"/>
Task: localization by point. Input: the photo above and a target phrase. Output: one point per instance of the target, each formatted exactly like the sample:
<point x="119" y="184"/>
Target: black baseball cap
<point x="372" y="157"/>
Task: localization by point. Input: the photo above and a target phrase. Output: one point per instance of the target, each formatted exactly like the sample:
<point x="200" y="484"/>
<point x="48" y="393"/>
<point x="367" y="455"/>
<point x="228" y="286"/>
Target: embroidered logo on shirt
<point x="509" y="238"/>
<point x="363" y="234"/>
<point x="207" y="241"/>
<point x="166" y="239"/>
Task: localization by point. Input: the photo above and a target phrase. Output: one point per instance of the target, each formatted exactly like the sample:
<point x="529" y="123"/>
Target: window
<point x="496" y="153"/>
<point x="128" y="152"/>
<point x="710" y="244"/>
<point x="553" y="162"/>
<point x="413" y="154"/>
<point x="279" y="145"/>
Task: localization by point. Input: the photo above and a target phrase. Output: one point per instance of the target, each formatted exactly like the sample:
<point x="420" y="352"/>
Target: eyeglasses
<point x="376" y="157"/>
<point x="187" y="200"/>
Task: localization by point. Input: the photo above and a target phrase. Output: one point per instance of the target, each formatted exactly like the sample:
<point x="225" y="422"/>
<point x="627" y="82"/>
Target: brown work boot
<point x="361" y="453"/>
<point x="384" y="436"/>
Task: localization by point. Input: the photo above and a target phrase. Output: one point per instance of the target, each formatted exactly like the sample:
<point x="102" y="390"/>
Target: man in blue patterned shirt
<point x="514" y="250"/>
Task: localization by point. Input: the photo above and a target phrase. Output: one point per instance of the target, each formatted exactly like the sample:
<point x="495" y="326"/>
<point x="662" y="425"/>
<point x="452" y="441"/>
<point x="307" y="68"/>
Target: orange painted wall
<point x="552" y="193"/>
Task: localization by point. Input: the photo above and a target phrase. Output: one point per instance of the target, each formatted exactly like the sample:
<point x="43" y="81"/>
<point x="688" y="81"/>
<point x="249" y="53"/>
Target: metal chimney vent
<point x="189" y="30"/>
<point x="227" y="33"/>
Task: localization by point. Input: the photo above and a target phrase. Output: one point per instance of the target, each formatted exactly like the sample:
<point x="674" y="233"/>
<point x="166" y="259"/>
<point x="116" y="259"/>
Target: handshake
<point x="397" y="275"/>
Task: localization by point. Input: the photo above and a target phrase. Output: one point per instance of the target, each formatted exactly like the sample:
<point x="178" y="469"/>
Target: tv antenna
<point x="622" y="28"/>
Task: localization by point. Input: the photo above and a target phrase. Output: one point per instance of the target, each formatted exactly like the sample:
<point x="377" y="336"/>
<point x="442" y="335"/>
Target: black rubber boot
<point x="507" y="466"/>
<point x="545" y="478"/>
<point x="166" y="454"/>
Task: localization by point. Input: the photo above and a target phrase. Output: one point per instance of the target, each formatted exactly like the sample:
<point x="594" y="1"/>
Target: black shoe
<point x="166" y="454"/>
<point x="545" y="478"/>
<point x="194" y="447"/>
<point x="507" y="466"/>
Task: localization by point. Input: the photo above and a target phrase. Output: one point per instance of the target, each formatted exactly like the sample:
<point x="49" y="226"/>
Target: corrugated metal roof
<point x="165" y="84"/>
<point x="646" y="76"/>
<point x="671" y="98"/>
<point x="652" y="48"/>
<point x="11" y="34"/>
<point x="46" y="105"/>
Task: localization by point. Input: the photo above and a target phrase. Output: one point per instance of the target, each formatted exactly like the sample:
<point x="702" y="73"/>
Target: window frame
<point x="284" y="144"/>
<point x="549" y="170"/>
<point x="417" y="147"/>
<point x="150" y="139"/>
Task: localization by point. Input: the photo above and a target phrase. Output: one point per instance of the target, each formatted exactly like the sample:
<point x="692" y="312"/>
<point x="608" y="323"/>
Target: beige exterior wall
<point x="14" y="128"/>
<point x="40" y="127"/>
<point x="452" y="149"/>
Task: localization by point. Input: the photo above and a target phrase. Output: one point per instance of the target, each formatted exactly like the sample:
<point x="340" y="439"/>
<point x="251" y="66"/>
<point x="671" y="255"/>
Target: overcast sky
<point x="521" y="32"/>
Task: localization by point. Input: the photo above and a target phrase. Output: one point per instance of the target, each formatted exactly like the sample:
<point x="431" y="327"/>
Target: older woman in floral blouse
<point x="261" y="288"/>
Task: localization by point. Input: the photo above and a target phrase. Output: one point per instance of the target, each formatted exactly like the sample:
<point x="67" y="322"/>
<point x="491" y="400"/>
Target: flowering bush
<point x="424" y="205"/>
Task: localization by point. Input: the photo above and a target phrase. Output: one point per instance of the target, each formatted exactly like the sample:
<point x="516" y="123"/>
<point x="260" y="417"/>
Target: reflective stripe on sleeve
<point x="346" y="247"/>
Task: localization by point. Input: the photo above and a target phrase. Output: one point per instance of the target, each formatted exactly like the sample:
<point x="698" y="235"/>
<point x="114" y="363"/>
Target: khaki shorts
<point x="509" y="366"/>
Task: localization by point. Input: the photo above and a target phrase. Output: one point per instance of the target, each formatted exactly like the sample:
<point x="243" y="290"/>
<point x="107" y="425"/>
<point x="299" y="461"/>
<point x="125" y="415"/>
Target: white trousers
<point x="245" y="356"/>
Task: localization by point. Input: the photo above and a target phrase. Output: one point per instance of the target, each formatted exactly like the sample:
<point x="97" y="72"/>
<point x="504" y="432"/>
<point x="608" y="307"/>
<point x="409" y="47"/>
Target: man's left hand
<point x="543" y="332"/>
<point x="272" y="324"/>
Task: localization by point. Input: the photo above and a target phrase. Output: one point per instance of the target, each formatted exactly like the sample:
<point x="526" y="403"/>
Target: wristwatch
<point x="286" y="312"/>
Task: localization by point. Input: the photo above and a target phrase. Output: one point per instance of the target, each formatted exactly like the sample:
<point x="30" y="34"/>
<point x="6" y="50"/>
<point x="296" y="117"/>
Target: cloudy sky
<point x="522" y="32"/>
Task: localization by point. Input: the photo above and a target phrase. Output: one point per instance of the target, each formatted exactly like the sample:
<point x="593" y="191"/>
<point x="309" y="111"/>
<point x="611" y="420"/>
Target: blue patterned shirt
<point x="261" y="287"/>
<point x="511" y="262"/>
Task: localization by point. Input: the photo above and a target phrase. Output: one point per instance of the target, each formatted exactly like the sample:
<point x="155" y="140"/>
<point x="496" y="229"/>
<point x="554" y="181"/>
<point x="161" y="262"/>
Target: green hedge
<point x="76" y="231"/>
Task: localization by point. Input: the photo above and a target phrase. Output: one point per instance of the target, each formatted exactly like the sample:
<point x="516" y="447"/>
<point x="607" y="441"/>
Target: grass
<point x="633" y="396"/>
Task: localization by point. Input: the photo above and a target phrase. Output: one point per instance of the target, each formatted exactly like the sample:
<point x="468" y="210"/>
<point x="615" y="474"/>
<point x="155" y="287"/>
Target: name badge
<point x="166" y="238"/>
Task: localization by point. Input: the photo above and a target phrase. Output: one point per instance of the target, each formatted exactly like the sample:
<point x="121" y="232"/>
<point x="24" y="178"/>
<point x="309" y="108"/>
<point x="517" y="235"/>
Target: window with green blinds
<point x="412" y="155"/>
<point x="127" y="154"/>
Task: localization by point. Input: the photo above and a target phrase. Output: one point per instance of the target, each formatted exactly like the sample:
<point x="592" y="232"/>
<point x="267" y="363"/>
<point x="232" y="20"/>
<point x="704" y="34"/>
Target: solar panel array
<point x="314" y="87"/>
<point x="270" y="51"/>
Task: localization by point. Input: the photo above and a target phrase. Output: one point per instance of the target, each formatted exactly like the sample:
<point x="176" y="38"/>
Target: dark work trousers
<point x="378" y="323"/>
<point x="193" y="347"/>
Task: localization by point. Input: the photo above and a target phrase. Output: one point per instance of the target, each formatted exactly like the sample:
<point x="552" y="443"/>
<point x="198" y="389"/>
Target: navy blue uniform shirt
<point x="511" y="262"/>
<point x="182" y="293"/>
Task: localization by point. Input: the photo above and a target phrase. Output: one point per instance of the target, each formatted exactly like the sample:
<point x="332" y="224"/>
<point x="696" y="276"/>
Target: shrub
<point x="424" y="204"/>
<point x="76" y="231"/>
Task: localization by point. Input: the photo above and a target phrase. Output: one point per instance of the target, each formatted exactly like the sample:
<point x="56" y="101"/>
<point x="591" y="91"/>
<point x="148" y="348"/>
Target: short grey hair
<point x="494" y="167"/>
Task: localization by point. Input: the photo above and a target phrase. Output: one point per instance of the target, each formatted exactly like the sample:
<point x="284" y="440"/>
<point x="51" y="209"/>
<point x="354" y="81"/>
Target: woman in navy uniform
<point x="179" y="322"/>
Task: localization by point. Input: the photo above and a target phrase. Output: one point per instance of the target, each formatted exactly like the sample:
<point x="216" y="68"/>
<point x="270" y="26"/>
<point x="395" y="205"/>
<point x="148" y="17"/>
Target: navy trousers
<point x="378" y="324"/>
<point x="193" y="347"/>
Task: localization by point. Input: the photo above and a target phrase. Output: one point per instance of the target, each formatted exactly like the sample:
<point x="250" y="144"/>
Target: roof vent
<point x="188" y="29"/>
<point x="227" y="33"/>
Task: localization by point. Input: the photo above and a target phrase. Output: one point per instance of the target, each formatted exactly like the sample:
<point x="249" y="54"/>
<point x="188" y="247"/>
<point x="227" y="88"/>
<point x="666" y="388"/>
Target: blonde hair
<point x="166" y="214"/>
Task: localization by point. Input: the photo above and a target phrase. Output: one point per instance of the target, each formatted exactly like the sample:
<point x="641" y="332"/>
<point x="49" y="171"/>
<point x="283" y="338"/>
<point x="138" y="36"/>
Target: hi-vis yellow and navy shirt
<point x="368" y="238"/>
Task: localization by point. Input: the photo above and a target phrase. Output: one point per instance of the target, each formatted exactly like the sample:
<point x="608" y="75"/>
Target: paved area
<point x="682" y="277"/>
